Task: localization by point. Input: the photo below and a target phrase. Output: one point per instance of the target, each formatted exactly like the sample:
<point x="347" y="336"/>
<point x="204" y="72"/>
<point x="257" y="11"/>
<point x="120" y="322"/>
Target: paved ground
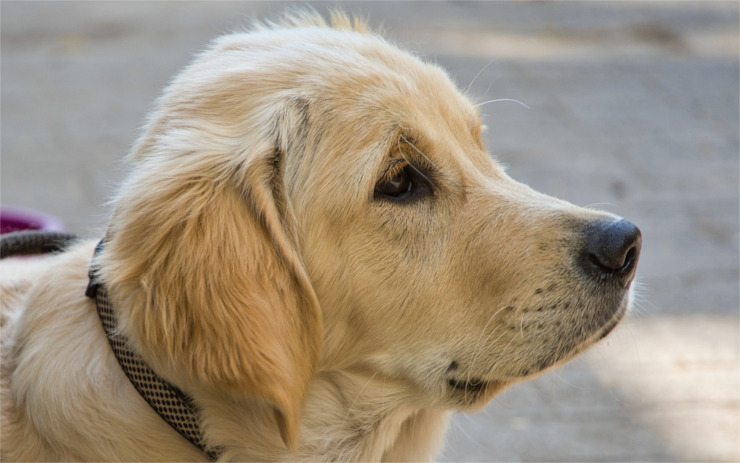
<point x="634" y="108"/>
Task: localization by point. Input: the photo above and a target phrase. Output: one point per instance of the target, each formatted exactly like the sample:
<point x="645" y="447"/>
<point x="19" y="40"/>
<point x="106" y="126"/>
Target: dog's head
<point x="313" y="197"/>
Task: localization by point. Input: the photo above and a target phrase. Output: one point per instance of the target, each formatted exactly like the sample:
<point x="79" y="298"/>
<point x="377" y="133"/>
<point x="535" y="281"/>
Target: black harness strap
<point x="176" y="408"/>
<point x="27" y="242"/>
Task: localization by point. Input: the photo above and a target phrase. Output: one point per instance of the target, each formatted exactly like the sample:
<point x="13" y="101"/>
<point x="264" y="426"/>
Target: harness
<point x="171" y="404"/>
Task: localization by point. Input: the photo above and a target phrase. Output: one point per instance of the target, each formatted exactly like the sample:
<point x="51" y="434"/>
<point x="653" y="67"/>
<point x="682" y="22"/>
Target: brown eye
<point x="402" y="183"/>
<point x="396" y="186"/>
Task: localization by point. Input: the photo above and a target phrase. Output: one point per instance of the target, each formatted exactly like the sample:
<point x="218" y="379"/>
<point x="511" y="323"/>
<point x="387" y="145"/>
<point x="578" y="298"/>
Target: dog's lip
<point x="470" y="393"/>
<point x="470" y="385"/>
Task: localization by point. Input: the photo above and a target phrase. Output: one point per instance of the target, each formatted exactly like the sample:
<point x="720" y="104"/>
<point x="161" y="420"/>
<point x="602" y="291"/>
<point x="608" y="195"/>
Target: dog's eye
<point x="402" y="182"/>
<point x="395" y="184"/>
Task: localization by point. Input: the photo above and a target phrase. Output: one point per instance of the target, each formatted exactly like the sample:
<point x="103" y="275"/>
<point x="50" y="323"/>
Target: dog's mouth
<point x="472" y="393"/>
<point x="473" y="386"/>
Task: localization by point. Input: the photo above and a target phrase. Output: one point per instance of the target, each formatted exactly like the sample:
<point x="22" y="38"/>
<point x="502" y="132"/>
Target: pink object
<point x="16" y="219"/>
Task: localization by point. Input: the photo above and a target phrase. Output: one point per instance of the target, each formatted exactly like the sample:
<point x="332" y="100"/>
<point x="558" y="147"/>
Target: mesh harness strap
<point x="33" y="242"/>
<point x="176" y="408"/>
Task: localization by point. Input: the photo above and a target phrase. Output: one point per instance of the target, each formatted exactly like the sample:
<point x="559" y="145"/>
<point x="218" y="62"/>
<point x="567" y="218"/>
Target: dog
<point x="314" y="247"/>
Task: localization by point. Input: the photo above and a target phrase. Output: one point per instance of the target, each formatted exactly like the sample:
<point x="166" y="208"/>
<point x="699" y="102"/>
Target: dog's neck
<point x="175" y="408"/>
<point x="347" y="417"/>
<point x="377" y="414"/>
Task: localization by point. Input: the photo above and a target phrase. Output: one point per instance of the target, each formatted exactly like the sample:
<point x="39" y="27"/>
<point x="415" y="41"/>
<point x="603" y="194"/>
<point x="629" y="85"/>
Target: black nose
<point x="612" y="250"/>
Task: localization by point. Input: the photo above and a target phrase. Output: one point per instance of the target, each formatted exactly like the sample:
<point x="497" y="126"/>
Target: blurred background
<point x="633" y="108"/>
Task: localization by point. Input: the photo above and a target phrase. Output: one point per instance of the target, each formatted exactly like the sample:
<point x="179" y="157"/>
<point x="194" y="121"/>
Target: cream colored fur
<point x="253" y="265"/>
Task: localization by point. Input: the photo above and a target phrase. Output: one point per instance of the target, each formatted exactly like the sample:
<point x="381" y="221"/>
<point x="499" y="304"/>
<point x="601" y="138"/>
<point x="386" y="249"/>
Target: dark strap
<point x="33" y="242"/>
<point x="176" y="408"/>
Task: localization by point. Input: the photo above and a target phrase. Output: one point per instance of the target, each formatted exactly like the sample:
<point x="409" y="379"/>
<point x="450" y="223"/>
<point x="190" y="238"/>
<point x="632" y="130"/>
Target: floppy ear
<point x="201" y="258"/>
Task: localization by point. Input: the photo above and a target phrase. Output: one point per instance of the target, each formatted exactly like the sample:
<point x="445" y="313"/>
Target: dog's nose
<point x="612" y="250"/>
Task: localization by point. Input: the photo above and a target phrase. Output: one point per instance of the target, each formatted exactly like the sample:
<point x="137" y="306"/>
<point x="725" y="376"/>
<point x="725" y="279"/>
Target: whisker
<point x="415" y="149"/>
<point x="470" y="85"/>
<point x="478" y="344"/>
<point x="503" y="351"/>
<point x="493" y="82"/>
<point x="479" y="348"/>
<point x="641" y="303"/>
<point x="467" y="437"/>
<point x="500" y="100"/>
<point x="557" y="376"/>
<point x="599" y="205"/>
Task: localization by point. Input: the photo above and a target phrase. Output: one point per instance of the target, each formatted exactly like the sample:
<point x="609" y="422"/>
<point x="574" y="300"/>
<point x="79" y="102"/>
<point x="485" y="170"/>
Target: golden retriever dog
<point x="314" y="247"/>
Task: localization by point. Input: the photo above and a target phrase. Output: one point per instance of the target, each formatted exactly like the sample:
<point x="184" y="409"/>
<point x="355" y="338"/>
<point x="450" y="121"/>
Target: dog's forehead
<point x="343" y="67"/>
<point x="383" y="85"/>
<point x="357" y="85"/>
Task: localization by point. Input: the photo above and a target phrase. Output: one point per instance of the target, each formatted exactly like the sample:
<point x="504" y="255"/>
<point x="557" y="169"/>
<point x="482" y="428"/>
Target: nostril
<point x="612" y="249"/>
<point x="630" y="257"/>
<point x="611" y="259"/>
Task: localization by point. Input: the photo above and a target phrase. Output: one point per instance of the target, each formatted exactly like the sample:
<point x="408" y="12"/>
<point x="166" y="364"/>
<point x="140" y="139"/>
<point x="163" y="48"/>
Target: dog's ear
<point x="202" y="262"/>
